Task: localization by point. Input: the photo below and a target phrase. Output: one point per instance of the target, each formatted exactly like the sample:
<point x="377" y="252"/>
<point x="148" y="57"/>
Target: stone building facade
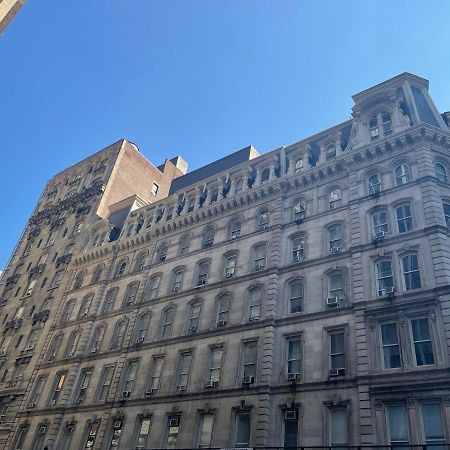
<point x="295" y="298"/>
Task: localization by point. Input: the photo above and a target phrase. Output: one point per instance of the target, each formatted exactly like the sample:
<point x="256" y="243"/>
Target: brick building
<point x="295" y="298"/>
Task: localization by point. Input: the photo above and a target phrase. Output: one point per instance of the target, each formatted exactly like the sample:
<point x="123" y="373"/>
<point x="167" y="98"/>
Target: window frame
<point x="402" y="176"/>
<point x="256" y="264"/>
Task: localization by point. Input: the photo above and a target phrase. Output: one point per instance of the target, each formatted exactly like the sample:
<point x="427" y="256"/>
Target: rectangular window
<point x="91" y="434"/>
<point x="155" y="189"/>
<point x="404" y="218"/>
<point x="194" y="317"/>
<point x="336" y="285"/>
<point x="242" y="429"/>
<point x="20" y="438"/>
<point x="391" y="346"/>
<point x="255" y="304"/>
<point x="215" y="365"/>
<point x="172" y="433"/>
<point x="85" y="379"/>
<point x="223" y="310"/>
<point x="411" y="272"/>
<point x="249" y="361"/>
<point x="230" y="266"/>
<point x="380" y="224"/>
<point x="259" y="257"/>
<point x="130" y="377"/>
<point x="446" y="208"/>
<point x="205" y="430"/>
<point x="115" y="434"/>
<point x="177" y="281"/>
<point x="433" y="427"/>
<point x="423" y="348"/>
<point x="295" y="296"/>
<point x="385" y="279"/>
<point x="298" y="248"/>
<point x="337" y="349"/>
<point x="338" y="426"/>
<point x="290" y="428"/>
<point x="167" y="319"/>
<point x="397" y="425"/>
<point x="30" y="287"/>
<point x="40" y="382"/>
<point x="293" y="357"/>
<point x="143" y="428"/>
<point x="154" y="287"/>
<point x="105" y="383"/>
<point x="58" y="385"/>
<point x="51" y="239"/>
<point x="335" y="238"/>
<point x="156" y="371"/>
<point x="203" y="269"/>
<point x="66" y="437"/>
<point x="184" y="369"/>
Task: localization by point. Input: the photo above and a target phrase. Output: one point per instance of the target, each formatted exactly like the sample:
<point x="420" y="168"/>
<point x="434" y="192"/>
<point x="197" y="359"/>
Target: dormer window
<point x="380" y="124"/>
<point x="265" y="175"/>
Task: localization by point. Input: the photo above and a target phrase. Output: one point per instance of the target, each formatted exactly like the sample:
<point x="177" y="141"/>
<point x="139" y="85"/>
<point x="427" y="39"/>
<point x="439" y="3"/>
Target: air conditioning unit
<point x="379" y="235"/>
<point x="140" y="339"/>
<point x="174" y="421"/>
<point x="290" y="414"/>
<point x="151" y="391"/>
<point x="210" y="384"/>
<point x="248" y="380"/>
<point x="221" y="323"/>
<point x="94" y="350"/>
<point x="31" y="347"/>
<point x="230" y="274"/>
<point x="259" y="266"/>
<point x="176" y="288"/>
<point x="201" y="283"/>
<point x="336" y="372"/>
<point x="181" y="388"/>
<point x="117" y="424"/>
<point x="51" y="357"/>
<point x="53" y="402"/>
<point x="31" y="405"/>
<point x="192" y="330"/>
<point x="335" y="249"/>
<point x="84" y="314"/>
<point x="293" y="376"/>
<point x="42" y="430"/>
<point x="389" y="291"/>
<point x="126" y="394"/>
<point x="332" y="301"/>
<point x="251" y="319"/>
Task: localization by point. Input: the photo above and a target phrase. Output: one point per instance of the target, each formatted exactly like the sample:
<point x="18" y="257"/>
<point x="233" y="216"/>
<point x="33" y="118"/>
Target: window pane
<point x="242" y="430"/>
<point x="206" y="427"/>
<point x="422" y="342"/>
<point x="143" y="433"/>
<point x="290" y="433"/>
<point x="391" y="348"/>
<point x="432" y="422"/>
<point x="398" y="429"/>
<point x="338" y="426"/>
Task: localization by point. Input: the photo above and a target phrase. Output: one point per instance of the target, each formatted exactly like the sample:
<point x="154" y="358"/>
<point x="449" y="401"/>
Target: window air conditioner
<point x="31" y="405"/>
<point x="335" y="249"/>
<point x="42" y="430"/>
<point x="379" y="235"/>
<point x="181" y="388"/>
<point x="176" y="288"/>
<point x="251" y="319"/>
<point x="336" y="372"/>
<point x="117" y="424"/>
<point x="221" y="323"/>
<point x="293" y="376"/>
<point x="230" y="274"/>
<point x="248" y="380"/>
<point x="389" y="291"/>
<point x="259" y="266"/>
<point x="151" y="391"/>
<point x="174" y="421"/>
<point x="140" y="339"/>
<point x="53" y="402"/>
<point x="192" y="329"/>
<point x="210" y="384"/>
<point x="290" y="414"/>
<point x="332" y="301"/>
<point x="94" y="350"/>
<point x="126" y="394"/>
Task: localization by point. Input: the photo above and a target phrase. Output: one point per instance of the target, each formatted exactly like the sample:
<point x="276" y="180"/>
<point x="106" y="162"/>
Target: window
<point x="290" y="428"/>
<point x="78" y="280"/>
<point x="214" y="196"/>
<point x="335" y="199"/>
<point x="397" y="425"/>
<point x="177" y="280"/>
<point x="299" y="212"/>
<point x="31" y="341"/>
<point x="72" y="343"/>
<point x="208" y="238"/>
<point x="202" y="273"/>
<point x="39" y="438"/>
<point x="161" y="254"/>
<point x="51" y="238"/>
<point x="265" y="174"/>
<point x="385" y="280"/>
<point x="184" y="369"/>
<point x="337" y="349"/>
<point x="223" y="310"/>
<point x="105" y="383"/>
<point x="380" y="121"/>
<point x="295" y="289"/>
<point x="20" y="438"/>
<point x="56" y="280"/>
<point x="129" y="378"/>
<point x="255" y="295"/>
<point x="167" y="317"/>
<point x="249" y="361"/>
<point x="194" y="310"/>
<point x="90" y="435"/>
<point x="37" y="392"/>
<point x="421" y="337"/>
<point x="191" y="205"/>
<point x="446" y="208"/>
<point x="29" y="289"/>
<point x="336" y="285"/>
<point x="153" y="287"/>
<point x="391" y="345"/>
<point x="140" y="262"/>
<point x="119" y="334"/>
<point x="263" y="220"/>
<point x="173" y="425"/>
<point x="143" y="428"/>
<point x="433" y="428"/>
<point x="97" y="275"/>
<point x="155" y="189"/>
<point x="205" y="430"/>
<point x="230" y="265"/>
<point x="374" y="184"/>
<point x="235" y="229"/>
<point x="58" y="385"/>
<point x="183" y="246"/>
<point x="54" y="347"/>
<point x="401" y="175"/>
<point x="142" y="327"/>
<point x="293" y="357"/>
<point x="131" y="294"/>
<point x="298" y="248"/>
<point x="299" y="165"/>
<point x="169" y="213"/>
<point x="380" y="224"/>
<point x="440" y="172"/>
<point x="334" y="238"/>
<point x="411" y="273"/>
<point x="120" y="269"/>
<point x="85" y="306"/>
<point x="338" y="426"/>
<point x="239" y="187"/>
<point x="83" y="385"/>
<point x="259" y="257"/>
<point x="156" y="371"/>
<point x="66" y="314"/>
<point x="330" y="153"/>
<point x="110" y="299"/>
<point x="66" y="436"/>
<point x="97" y="339"/>
<point x="78" y="228"/>
<point x="215" y="365"/>
<point x="404" y="218"/>
<point x="242" y="429"/>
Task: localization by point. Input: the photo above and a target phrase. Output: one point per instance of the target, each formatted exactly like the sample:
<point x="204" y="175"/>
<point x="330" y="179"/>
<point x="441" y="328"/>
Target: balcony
<point x="65" y="259"/>
<point x="41" y="316"/>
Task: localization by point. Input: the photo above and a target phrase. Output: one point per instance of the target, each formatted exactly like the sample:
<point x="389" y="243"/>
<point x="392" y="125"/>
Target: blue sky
<point x="196" y="78"/>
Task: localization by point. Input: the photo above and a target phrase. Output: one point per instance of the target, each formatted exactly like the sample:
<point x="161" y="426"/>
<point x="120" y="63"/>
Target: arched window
<point x="193" y="316"/>
<point x="265" y="175"/>
<point x="254" y="308"/>
<point x="54" y="347"/>
<point x="85" y="306"/>
<point x="335" y="198"/>
<point x="72" y="343"/>
<point x="110" y="299"/>
<point x="208" y="238"/>
<point x="330" y="153"/>
<point x="440" y="172"/>
<point x="374" y="184"/>
<point x="223" y="310"/>
<point x="259" y="257"/>
<point x="161" y="254"/>
<point x="131" y="294"/>
<point x="142" y="327"/>
<point x="184" y="244"/>
<point x="239" y="186"/>
<point x="235" y="229"/>
<point x="97" y="339"/>
<point x="97" y="275"/>
<point x="299" y="212"/>
<point x="177" y="280"/>
<point x="295" y="296"/>
<point x="263" y="219"/>
<point x="214" y="196"/>
<point x="140" y="261"/>
<point x="66" y="314"/>
<point x="401" y="175"/>
<point x="78" y="280"/>
<point x="167" y="317"/>
<point x="120" y="268"/>
<point x="411" y="272"/>
<point x="119" y="335"/>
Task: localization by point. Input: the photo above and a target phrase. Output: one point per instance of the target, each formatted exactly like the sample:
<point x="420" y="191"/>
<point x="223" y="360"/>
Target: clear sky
<point x="200" y="78"/>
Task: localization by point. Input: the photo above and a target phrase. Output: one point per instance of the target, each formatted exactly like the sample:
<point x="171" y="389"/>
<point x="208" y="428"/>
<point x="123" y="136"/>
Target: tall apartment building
<point x="295" y="298"/>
